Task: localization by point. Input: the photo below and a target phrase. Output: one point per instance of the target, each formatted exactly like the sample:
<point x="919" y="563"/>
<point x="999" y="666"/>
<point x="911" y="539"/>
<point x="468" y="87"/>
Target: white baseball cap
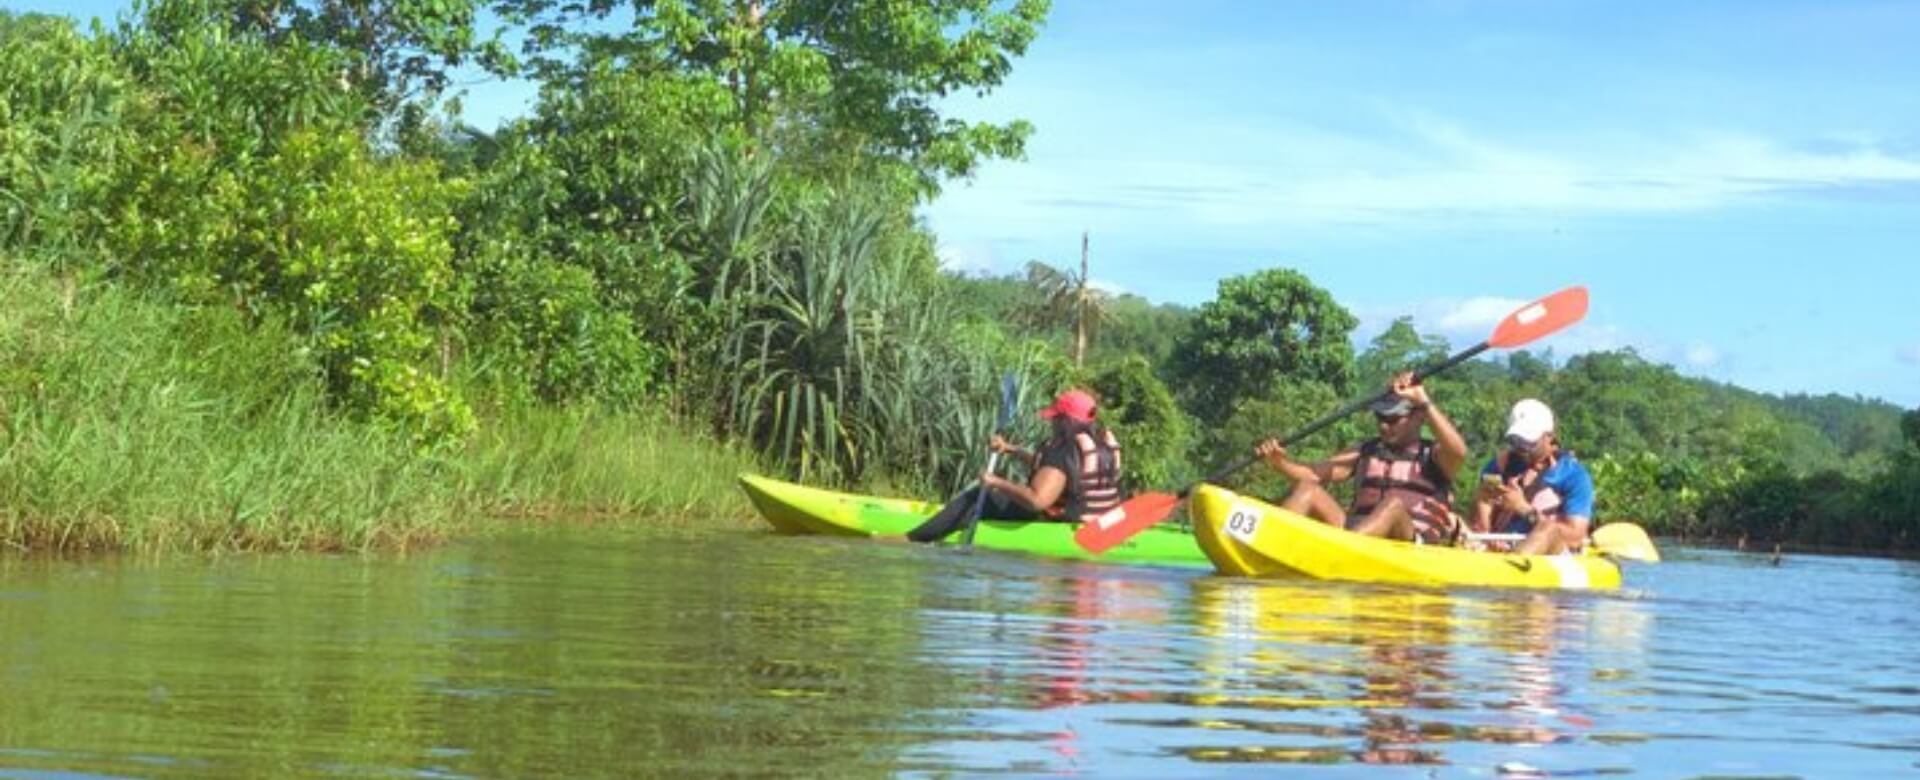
<point x="1529" y="420"/>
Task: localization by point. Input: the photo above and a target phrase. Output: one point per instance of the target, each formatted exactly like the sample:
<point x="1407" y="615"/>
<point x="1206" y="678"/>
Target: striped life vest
<point x="1413" y="477"/>
<point x="1096" y="487"/>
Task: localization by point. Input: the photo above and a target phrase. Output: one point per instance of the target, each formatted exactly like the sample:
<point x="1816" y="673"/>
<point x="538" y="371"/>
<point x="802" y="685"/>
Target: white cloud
<point x="1910" y="354"/>
<point x="1589" y="337"/>
<point x="1410" y="166"/>
<point x="1699" y="355"/>
<point x="964" y="260"/>
<point x="1466" y="321"/>
<point x="1459" y="320"/>
<point x="1480" y="313"/>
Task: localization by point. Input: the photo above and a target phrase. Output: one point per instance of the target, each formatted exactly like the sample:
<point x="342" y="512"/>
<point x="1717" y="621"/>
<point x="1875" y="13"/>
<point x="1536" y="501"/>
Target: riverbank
<point x="132" y="424"/>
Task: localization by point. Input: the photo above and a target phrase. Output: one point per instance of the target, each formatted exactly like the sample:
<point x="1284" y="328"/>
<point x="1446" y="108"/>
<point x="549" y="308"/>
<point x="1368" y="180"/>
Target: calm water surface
<point x="596" y="653"/>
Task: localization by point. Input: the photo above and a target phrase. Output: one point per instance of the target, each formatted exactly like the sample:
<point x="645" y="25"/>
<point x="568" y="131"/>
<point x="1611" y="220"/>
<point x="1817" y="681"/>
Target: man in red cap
<point x="1075" y="475"/>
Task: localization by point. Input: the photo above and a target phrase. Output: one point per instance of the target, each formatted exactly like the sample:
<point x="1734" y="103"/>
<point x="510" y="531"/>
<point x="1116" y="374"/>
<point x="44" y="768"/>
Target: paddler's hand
<point x="1512" y="499"/>
<point x="1489" y="490"/>
<point x="1000" y="444"/>
<point x="990" y="481"/>
<point x="1403" y="385"/>
<point x="1273" y="453"/>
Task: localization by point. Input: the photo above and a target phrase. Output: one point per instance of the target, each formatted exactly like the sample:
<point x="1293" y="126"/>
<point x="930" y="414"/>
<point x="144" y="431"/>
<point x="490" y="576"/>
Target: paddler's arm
<point x="1001" y="445"/>
<point x="1039" y="495"/>
<point x="1450" y="448"/>
<point x="1338" y="468"/>
<point x="1577" y="505"/>
<point x="1334" y="469"/>
<point x="1485" y="496"/>
<point x="1482" y="521"/>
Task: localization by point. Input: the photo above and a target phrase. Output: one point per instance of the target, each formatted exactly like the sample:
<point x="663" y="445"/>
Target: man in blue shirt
<point x="1534" y="487"/>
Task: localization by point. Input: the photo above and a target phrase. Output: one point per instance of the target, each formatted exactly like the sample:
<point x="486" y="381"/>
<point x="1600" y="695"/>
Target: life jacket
<point x="1413" y="477"/>
<point x="1544" y="499"/>
<point x="1095" y="487"/>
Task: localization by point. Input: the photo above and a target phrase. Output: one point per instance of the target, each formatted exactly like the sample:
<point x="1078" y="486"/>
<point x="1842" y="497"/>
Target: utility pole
<point x="1080" y="308"/>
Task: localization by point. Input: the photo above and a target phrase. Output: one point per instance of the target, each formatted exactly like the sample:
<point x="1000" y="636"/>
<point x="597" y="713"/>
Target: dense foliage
<point x="709" y="218"/>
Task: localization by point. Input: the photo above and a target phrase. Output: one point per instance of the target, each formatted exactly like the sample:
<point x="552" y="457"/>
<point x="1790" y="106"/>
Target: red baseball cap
<point x="1075" y="404"/>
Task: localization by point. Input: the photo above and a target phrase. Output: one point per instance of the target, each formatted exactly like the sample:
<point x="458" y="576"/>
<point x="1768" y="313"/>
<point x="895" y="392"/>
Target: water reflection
<point x="587" y="654"/>
<point x="1284" y="647"/>
<point x="1399" y="676"/>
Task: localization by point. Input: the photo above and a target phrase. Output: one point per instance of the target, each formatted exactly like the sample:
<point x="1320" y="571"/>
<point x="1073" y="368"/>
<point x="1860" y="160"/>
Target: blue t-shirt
<point x="1567" y="477"/>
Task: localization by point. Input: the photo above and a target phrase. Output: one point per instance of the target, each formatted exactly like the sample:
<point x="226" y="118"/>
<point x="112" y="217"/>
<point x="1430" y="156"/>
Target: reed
<point x="129" y="423"/>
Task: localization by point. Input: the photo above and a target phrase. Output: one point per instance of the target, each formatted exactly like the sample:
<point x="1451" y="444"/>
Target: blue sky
<point x="1737" y="182"/>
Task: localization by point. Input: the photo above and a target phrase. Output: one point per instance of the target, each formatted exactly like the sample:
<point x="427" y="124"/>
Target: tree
<point x="1258" y="330"/>
<point x="1399" y="348"/>
<point x="1856" y="425"/>
<point x="1140" y="327"/>
<point x="859" y="76"/>
<point x="1068" y="300"/>
<point x="1282" y="406"/>
<point x="63" y="98"/>
<point x="1526" y="367"/>
<point x="400" y="51"/>
<point x="1910" y="425"/>
<point x="1150" y="425"/>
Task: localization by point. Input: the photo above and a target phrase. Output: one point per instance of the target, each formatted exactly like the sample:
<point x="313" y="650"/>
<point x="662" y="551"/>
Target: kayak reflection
<point x="1327" y="673"/>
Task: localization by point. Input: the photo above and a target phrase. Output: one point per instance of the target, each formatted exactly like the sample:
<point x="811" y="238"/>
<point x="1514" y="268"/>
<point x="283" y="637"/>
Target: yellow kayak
<point x="1250" y="538"/>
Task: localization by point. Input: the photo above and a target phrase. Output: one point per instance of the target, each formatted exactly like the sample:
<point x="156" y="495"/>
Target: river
<point x="589" y="652"/>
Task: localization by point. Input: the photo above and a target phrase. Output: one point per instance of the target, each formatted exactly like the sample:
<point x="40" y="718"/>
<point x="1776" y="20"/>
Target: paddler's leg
<point x="1552" y="537"/>
<point x="1309" y="499"/>
<point x="952" y="517"/>
<point x="1389" y="520"/>
<point x="947" y="520"/>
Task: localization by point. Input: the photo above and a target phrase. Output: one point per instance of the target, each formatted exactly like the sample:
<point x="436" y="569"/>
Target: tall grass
<point x="549" y="462"/>
<point x="129" y="423"/>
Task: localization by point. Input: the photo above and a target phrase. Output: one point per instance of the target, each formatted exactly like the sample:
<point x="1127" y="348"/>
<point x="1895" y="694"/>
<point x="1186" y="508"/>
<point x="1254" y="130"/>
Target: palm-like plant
<point x="1068" y="300"/>
<point x="798" y="353"/>
<point x="836" y="351"/>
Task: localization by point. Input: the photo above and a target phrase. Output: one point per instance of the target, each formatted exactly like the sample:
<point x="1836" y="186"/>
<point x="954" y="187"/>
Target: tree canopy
<point x="1260" y="328"/>
<point x="828" y="77"/>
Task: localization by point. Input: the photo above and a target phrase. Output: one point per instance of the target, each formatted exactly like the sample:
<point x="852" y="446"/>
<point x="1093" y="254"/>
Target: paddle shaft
<point x="1009" y="398"/>
<point x="979" y="503"/>
<point x="1339" y="414"/>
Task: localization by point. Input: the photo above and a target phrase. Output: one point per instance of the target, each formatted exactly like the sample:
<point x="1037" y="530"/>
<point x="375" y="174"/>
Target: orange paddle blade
<point x="1540" y="318"/>
<point x="1130" y="517"/>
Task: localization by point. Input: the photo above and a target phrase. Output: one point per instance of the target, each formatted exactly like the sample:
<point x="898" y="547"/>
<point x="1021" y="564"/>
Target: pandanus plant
<point x="838" y="353"/>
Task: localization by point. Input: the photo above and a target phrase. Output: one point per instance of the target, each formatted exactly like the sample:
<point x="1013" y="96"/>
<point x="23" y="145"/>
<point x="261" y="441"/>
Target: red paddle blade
<point x="1130" y="517"/>
<point x="1540" y="318"/>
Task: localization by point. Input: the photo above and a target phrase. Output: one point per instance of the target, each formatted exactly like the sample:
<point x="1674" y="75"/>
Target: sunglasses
<point x="1518" y="444"/>
<point x="1389" y="419"/>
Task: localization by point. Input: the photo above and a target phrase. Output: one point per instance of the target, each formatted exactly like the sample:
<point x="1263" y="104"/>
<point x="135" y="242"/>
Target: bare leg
<point x="1389" y="520"/>
<point x="1547" y="538"/>
<point x="1309" y="499"/>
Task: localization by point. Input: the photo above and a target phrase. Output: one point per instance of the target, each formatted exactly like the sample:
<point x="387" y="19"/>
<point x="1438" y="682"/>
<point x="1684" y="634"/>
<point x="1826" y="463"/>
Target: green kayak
<point x="798" y="509"/>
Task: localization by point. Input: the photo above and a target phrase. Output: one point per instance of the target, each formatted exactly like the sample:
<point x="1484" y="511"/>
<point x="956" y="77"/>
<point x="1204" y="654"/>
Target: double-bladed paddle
<point x="1527" y="324"/>
<point x="1009" y="392"/>
<point x="1625" y="540"/>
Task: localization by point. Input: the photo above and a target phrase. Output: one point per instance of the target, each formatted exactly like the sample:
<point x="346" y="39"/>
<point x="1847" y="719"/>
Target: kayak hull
<point x="1247" y="537"/>
<point x="798" y="509"/>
